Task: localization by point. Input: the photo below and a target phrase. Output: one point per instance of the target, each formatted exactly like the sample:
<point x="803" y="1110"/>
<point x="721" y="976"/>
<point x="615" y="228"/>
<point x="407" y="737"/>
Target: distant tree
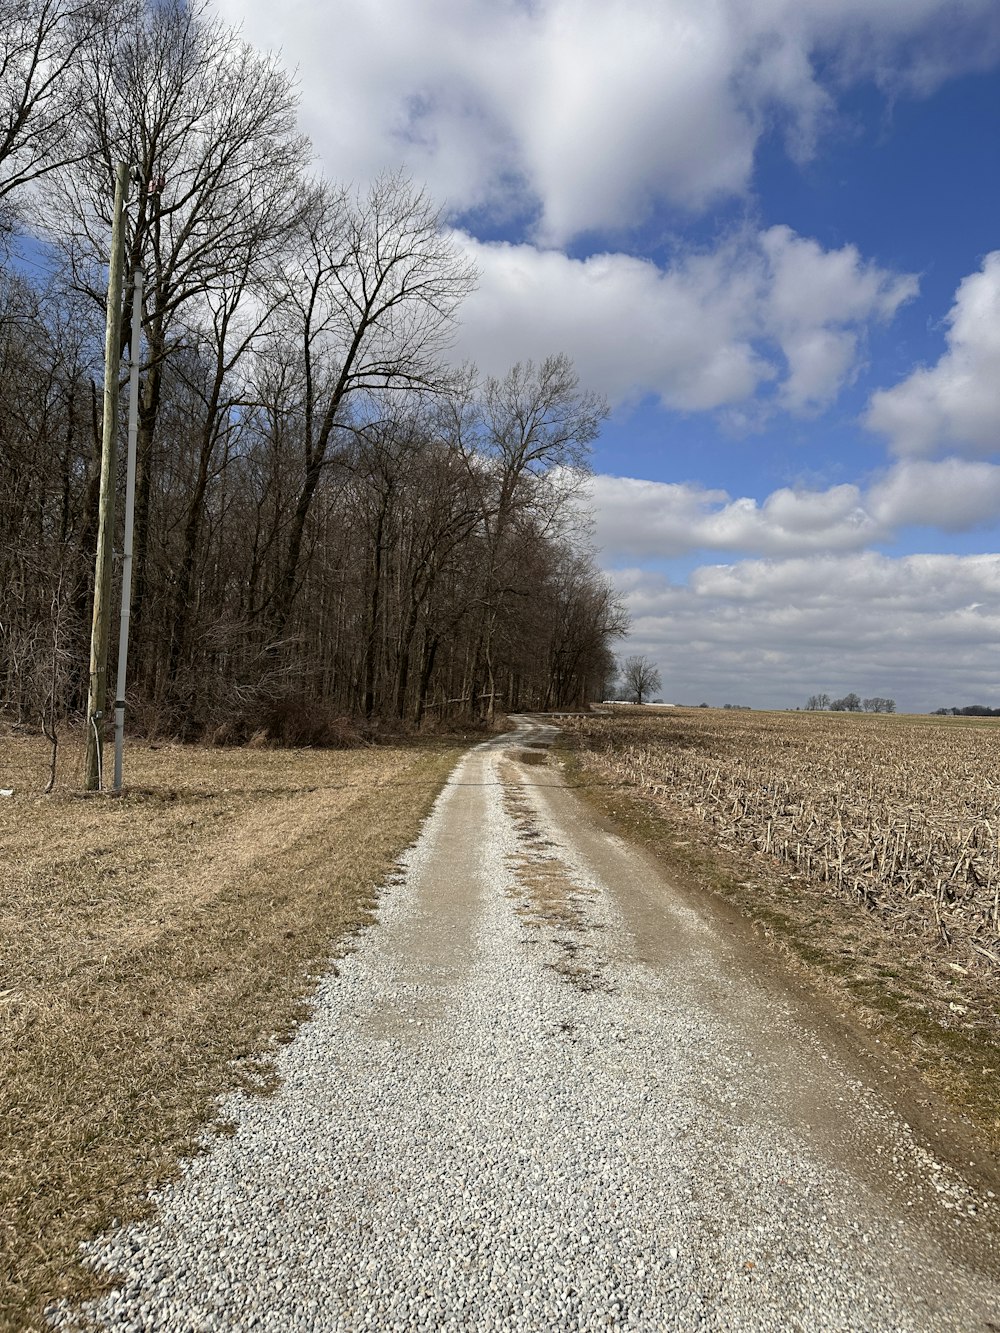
<point x="879" y="705"/>
<point x="815" y="702"/>
<point x="640" y="677"/>
<point x="611" y="687"/>
<point x="850" y="703"/>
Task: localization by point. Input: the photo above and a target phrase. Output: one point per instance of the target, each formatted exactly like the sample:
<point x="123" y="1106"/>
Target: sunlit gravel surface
<point x="486" y="1146"/>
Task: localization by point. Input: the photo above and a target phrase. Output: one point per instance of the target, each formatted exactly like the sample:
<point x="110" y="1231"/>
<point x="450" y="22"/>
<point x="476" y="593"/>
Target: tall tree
<point x="370" y="299"/>
<point x="533" y="433"/>
<point x="42" y="43"/>
<point x="183" y="98"/>
<point x="330" y="517"/>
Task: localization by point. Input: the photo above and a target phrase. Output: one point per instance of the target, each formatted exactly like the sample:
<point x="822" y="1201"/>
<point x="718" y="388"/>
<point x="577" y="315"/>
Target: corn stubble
<point x="901" y="815"/>
<point x="884" y="837"/>
<point x="153" y="949"/>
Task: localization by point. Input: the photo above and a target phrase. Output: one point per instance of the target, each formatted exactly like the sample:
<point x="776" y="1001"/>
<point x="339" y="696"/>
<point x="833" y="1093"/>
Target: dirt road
<point x="545" y="1093"/>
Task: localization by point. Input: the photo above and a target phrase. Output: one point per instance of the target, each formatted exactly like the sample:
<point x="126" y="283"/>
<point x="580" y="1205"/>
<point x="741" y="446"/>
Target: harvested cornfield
<point x="899" y="814"/>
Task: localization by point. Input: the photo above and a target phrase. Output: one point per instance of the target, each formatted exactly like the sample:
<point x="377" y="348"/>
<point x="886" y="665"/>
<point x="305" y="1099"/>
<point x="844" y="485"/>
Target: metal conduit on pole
<point x="133" y="430"/>
<point x="100" y="635"/>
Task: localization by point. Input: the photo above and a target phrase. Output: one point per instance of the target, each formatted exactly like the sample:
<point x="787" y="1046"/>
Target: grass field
<point x="153" y="948"/>
<point x="866" y="845"/>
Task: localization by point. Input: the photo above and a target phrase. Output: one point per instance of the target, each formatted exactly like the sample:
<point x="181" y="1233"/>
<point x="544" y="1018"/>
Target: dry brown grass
<point x="866" y="844"/>
<point x="546" y="897"/>
<point x="153" y="948"/>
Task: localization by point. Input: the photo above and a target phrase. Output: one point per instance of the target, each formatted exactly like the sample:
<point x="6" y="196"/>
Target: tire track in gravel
<point x="544" y="1095"/>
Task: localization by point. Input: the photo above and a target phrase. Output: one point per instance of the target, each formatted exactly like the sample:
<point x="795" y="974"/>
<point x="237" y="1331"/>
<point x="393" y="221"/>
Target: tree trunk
<point x="426" y="669"/>
<point x="140" y="669"/>
<point x="374" y="608"/>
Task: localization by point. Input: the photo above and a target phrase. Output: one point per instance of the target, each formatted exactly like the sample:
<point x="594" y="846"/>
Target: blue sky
<point x="768" y="231"/>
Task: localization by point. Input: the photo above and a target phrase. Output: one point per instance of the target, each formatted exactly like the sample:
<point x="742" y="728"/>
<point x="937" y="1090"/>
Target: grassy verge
<point x="942" y="1022"/>
<point x="153" y="948"/>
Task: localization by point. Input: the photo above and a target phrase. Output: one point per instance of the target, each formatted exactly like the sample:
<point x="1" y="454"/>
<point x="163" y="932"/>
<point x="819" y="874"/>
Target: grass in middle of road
<point x="547" y="898"/>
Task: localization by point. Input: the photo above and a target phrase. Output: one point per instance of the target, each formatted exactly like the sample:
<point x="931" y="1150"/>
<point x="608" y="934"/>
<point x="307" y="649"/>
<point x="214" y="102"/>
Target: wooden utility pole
<point x="133" y="427"/>
<point x="100" y="636"/>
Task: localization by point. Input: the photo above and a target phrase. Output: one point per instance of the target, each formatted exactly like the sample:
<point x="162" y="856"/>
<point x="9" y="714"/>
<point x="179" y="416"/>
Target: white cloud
<point x="630" y="327"/>
<point x="583" y="113"/>
<point x="647" y="518"/>
<point x="923" y="629"/>
<point x="631" y="102"/>
<point x="652" y="519"/>
<point x="705" y="333"/>
<point x="953" y="494"/>
<point x="954" y="404"/>
<point x="818" y="303"/>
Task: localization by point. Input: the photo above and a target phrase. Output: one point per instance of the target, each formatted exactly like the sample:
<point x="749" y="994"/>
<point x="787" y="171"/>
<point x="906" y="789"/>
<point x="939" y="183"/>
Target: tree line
<point x="850" y="703"/>
<point x="969" y="710"/>
<point x="331" y="518"/>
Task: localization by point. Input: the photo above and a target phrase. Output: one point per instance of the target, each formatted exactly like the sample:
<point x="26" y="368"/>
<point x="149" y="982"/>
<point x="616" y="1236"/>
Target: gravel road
<point x="544" y="1094"/>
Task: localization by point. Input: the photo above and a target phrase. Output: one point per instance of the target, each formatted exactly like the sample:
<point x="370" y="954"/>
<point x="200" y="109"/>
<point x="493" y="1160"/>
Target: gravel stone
<point x="463" y="1139"/>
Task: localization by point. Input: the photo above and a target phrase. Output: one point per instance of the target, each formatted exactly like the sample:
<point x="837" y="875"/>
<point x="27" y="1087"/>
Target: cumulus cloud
<point x="954" y="404"/>
<point x="638" y="519"/>
<point x="922" y="629"/>
<point x="631" y="328"/>
<point x="953" y="494"/>
<point x="706" y="332"/>
<point x="582" y="115"/>
<point x="818" y="302"/>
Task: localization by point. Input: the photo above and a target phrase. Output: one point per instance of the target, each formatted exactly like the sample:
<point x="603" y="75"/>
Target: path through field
<point x="545" y="1094"/>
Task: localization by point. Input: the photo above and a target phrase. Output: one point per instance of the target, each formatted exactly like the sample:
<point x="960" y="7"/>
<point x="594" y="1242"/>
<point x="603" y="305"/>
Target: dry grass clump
<point x="546" y="896"/>
<point x="152" y="949"/>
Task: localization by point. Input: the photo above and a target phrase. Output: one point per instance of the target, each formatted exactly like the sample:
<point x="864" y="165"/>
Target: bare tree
<point x="329" y="515"/>
<point x="640" y="677"/>
<point x="370" y="302"/>
<point x="879" y="705"/>
<point x="41" y="45"/>
<point x="527" y="446"/>
<point x="46" y="447"/>
<point x="59" y="668"/>
<point x="584" y="614"/>
<point x="183" y="98"/>
<point x="850" y="703"/>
